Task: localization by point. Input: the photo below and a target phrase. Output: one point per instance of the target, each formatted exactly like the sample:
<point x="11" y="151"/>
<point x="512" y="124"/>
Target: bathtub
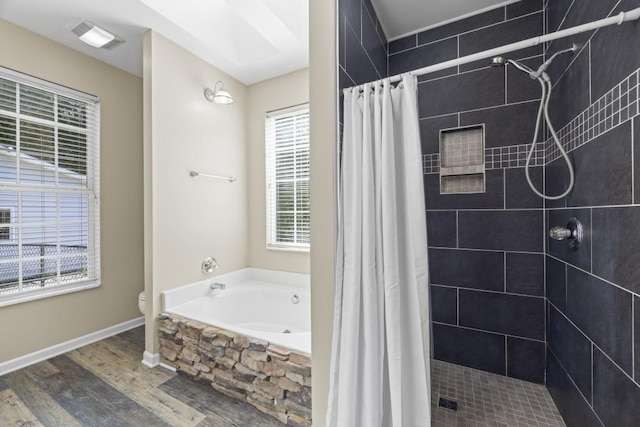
<point x="255" y="302"/>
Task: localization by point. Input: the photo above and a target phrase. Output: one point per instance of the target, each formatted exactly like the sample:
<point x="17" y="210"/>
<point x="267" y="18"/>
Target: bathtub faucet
<point x="217" y="286"/>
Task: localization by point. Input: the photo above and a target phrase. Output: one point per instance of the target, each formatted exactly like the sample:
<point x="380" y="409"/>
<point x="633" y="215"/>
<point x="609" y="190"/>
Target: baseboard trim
<point x="58" y="349"/>
<point x="150" y="360"/>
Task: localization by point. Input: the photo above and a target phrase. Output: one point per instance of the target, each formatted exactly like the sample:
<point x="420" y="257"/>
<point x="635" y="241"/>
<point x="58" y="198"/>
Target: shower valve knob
<point x="572" y="233"/>
<point x="559" y="233"/>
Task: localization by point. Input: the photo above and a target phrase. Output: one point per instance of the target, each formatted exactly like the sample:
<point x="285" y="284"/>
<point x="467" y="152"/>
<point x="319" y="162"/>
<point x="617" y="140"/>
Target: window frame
<point x="91" y="189"/>
<point x="270" y="188"/>
<point x="11" y="211"/>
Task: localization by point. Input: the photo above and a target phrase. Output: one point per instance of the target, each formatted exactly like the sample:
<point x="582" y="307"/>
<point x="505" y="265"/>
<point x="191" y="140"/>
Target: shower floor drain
<point x="448" y="404"/>
<point x="286" y="331"/>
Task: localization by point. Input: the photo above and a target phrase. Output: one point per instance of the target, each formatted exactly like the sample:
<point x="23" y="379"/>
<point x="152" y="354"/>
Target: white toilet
<point x="141" y="302"/>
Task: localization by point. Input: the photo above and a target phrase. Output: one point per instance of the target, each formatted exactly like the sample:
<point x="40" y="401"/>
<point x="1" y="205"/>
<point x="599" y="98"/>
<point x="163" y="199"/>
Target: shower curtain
<point x="380" y="368"/>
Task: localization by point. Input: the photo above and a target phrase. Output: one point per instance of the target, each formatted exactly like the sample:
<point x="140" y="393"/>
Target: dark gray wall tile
<point x="570" y="94"/>
<point x="526" y="359"/>
<point x="572" y="349"/>
<point x="636" y="331"/>
<point x="559" y="249"/>
<point x="556" y="283"/>
<point x="444" y="304"/>
<point x="524" y="7"/>
<point x="498" y="35"/>
<point x="422" y="56"/>
<point x="403" y="44"/>
<point x="624" y="56"/>
<point x="341" y="40"/>
<point x="525" y="274"/>
<point x="556" y="13"/>
<point x="502" y="313"/>
<point x="442" y="229"/>
<point x="373" y="44"/>
<point x="467" y="269"/>
<point x="359" y="66"/>
<point x="636" y="157"/>
<point x="518" y="193"/>
<point x="468" y="91"/>
<point x="557" y="181"/>
<point x="505" y="125"/>
<point x="572" y="405"/>
<point x="501" y="230"/>
<point x="603" y="313"/>
<point x="475" y="349"/>
<point x="438" y="74"/>
<point x="603" y="170"/>
<point x="352" y="11"/>
<point x="463" y="25"/>
<point x="615" y="396"/>
<point x="430" y="131"/>
<point x="493" y="198"/>
<point x="520" y="87"/>
<point x="615" y="235"/>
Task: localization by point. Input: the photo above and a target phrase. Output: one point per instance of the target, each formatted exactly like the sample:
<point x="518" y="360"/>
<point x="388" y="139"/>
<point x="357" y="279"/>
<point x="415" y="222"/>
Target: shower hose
<point x="545" y="83"/>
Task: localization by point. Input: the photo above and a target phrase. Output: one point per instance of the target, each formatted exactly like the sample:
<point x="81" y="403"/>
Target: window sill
<point x="46" y="293"/>
<point x="289" y="249"/>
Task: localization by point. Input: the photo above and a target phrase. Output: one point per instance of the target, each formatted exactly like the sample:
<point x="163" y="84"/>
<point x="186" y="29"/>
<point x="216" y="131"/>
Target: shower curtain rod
<point x="631" y="15"/>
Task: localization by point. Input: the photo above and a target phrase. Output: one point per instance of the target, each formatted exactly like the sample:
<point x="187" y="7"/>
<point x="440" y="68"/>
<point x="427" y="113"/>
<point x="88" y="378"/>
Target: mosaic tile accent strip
<point x="486" y="399"/>
<point x="614" y="108"/>
<point x="620" y="104"/>
<point x="512" y="156"/>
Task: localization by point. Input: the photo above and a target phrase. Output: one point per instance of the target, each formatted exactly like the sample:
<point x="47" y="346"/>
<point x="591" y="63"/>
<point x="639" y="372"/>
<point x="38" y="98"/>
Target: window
<point x="49" y="192"/>
<point x="5" y="220"/>
<point x="287" y="157"/>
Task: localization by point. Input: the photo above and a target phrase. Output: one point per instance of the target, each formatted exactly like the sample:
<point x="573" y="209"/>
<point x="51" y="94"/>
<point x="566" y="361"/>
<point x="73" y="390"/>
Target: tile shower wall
<point x="593" y="294"/>
<point x="486" y="251"/>
<point x="362" y="53"/>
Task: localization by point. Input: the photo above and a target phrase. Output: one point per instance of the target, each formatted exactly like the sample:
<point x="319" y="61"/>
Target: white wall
<point x="188" y="219"/>
<point x="35" y="325"/>
<point x="280" y="92"/>
<point x="322" y="93"/>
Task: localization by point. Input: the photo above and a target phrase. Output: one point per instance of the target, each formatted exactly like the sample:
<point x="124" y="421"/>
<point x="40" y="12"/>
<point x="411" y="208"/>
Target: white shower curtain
<point x="380" y="369"/>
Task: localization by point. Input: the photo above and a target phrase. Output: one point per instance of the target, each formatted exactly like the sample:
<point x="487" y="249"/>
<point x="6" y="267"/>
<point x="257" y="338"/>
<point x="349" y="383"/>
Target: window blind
<point x="49" y="185"/>
<point x="287" y="167"/>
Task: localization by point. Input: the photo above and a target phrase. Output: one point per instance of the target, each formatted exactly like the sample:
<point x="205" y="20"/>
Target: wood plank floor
<point x="104" y="384"/>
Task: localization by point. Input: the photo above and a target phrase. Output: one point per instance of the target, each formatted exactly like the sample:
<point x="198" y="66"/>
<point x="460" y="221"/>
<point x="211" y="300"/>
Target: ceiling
<point x="252" y="40"/>
<point x="402" y="17"/>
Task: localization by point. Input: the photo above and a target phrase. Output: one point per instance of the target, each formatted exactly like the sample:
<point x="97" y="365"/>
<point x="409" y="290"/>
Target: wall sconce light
<point x="218" y="94"/>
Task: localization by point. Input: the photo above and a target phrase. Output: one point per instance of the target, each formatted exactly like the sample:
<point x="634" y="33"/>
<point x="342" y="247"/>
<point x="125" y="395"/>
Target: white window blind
<point x="287" y="167"/>
<point x="49" y="184"/>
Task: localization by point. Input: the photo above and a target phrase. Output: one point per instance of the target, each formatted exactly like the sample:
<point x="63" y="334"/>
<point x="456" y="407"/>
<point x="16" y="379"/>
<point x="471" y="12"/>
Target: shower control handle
<point x="572" y="233"/>
<point x="559" y="233"/>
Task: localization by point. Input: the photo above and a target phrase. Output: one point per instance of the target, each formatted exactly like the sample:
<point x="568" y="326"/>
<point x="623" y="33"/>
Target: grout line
<point x="504" y="266"/>
<point x="489" y="291"/>
<point x="529" y="101"/>
<point x="590" y="80"/>
<point x="594" y="275"/>
<point x="574" y="384"/>
<point x="633" y="335"/>
<point x="457" y="306"/>
<point x="496" y="251"/>
<point x="457" y="230"/>
<point x="633" y="174"/>
<point x="591" y="240"/>
<point x="506" y="358"/>
<point x="488" y="332"/>
<point x="592" y="350"/>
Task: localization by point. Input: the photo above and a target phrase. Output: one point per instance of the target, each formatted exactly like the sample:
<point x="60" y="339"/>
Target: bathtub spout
<point x="217" y="286"/>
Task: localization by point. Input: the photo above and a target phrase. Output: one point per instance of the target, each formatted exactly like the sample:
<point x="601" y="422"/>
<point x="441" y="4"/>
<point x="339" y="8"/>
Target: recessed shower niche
<point x="462" y="169"/>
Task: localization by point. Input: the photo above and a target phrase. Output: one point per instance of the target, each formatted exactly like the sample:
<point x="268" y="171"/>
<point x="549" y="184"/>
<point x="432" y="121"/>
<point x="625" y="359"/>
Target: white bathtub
<point x="256" y="302"/>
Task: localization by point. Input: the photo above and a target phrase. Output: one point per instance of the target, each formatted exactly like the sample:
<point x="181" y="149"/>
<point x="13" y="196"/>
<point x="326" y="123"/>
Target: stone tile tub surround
<point x="235" y="340"/>
<point x="275" y="380"/>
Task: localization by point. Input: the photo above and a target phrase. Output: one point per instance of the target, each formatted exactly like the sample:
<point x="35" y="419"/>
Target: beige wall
<point x="322" y="92"/>
<point x="34" y="325"/>
<point x="189" y="219"/>
<point x="280" y="92"/>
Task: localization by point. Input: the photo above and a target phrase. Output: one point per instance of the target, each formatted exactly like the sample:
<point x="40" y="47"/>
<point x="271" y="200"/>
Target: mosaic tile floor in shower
<point x="489" y="400"/>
